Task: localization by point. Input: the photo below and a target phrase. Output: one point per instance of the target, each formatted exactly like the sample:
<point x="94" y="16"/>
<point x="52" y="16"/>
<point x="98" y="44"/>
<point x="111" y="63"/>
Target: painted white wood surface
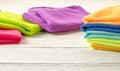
<point x="59" y="51"/>
<point x="58" y="67"/>
<point x="57" y="55"/>
<point x="43" y="39"/>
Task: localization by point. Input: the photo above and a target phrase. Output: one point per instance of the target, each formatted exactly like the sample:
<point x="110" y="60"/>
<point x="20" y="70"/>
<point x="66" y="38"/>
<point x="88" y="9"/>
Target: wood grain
<point x="57" y="67"/>
<point x="57" y="55"/>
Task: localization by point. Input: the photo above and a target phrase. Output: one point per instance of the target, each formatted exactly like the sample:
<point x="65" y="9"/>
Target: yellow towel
<point x="104" y="47"/>
<point x="108" y="15"/>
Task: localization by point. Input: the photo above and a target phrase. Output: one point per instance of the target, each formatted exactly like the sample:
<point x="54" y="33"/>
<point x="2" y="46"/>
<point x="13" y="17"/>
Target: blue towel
<point x="100" y="27"/>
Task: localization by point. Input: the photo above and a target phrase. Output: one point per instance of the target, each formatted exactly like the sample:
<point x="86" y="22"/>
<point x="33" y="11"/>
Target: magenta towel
<point x="56" y="19"/>
<point x="10" y="36"/>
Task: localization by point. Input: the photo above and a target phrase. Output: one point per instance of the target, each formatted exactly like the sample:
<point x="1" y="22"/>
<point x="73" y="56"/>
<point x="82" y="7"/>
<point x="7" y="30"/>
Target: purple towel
<point x="56" y="19"/>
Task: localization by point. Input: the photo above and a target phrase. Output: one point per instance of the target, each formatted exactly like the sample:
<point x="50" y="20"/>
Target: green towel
<point x="106" y="42"/>
<point x="10" y="20"/>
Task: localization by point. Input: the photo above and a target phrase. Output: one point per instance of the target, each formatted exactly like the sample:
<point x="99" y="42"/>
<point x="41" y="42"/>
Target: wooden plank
<point x="44" y="39"/>
<point x="57" y="55"/>
<point x="57" y="67"/>
<point x="43" y="43"/>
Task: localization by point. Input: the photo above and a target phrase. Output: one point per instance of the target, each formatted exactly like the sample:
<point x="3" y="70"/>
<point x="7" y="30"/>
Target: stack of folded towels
<point x="103" y="29"/>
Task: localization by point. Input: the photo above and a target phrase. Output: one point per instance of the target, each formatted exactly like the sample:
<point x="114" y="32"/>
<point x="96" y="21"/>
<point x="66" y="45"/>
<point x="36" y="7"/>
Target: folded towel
<point x="14" y="21"/>
<point x="109" y="15"/>
<point x="10" y="36"/>
<point x="56" y="19"/>
<point x="102" y="34"/>
<point x="100" y="27"/>
<point x="106" y="42"/>
<point x="104" y="47"/>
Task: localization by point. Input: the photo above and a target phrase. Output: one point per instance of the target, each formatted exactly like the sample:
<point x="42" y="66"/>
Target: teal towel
<point x="102" y="34"/>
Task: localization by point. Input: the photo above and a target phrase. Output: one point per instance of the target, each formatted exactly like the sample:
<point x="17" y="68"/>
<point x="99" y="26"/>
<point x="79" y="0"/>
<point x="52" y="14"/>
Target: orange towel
<point x="104" y="47"/>
<point x="108" y="15"/>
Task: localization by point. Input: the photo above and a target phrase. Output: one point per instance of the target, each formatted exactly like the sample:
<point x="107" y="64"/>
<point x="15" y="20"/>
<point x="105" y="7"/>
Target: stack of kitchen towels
<point x="103" y="29"/>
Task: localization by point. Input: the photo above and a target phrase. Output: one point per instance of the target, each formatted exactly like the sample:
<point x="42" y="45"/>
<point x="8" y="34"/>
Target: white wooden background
<point x="59" y="51"/>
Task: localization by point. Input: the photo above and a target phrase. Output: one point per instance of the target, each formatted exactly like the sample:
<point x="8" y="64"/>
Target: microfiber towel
<point x="10" y="20"/>
<point x="102" y="41"/>
<point x="10" y="36"/>
<point x="56" y="19"/>
<point x="104" y="47"/>
<point x="102" y="34"/>
<point x="107" y="15"/>
<point x="100" y="27"/>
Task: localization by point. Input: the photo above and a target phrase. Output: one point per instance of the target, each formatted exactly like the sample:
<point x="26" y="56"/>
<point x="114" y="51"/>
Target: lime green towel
<point x="106" y="42"/>
<point x="10" y="20"/>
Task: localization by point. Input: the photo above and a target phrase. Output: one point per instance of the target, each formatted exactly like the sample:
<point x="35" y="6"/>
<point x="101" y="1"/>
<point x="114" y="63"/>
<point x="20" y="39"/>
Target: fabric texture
<point x="10" y="36"/>
<point x="102" y="41"/>
<point x="102" y="34"/>
<point x="107" y="15"/>
<point x="10" y="20"/>
<point x="104" y="47"/>
<point x="100" y="27"/>
<point x="56" y="19"/>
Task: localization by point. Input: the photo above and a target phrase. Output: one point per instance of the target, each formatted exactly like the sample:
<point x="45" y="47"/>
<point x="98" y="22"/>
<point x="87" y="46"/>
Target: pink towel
<point x="10" y="36"/>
